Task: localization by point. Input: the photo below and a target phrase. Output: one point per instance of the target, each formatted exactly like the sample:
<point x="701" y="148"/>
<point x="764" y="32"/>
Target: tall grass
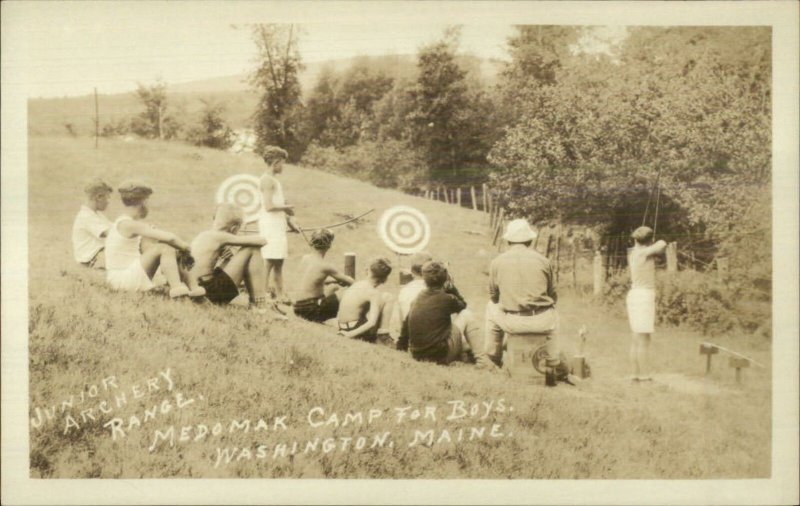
<point x="245" y="368"/>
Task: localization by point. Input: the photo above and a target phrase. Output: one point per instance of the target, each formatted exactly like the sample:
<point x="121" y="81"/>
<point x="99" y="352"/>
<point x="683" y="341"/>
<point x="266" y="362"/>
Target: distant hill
<point x="47" y="116"/>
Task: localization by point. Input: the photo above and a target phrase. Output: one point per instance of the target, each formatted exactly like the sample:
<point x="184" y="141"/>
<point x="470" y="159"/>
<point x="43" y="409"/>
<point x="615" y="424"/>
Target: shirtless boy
<point x="363" y="308"/>
<point x="221" y="283"/>
<point x="317" y="300"/>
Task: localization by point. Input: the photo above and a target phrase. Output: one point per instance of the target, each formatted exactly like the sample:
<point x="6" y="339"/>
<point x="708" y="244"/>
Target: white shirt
<point x="87" y="229"/>
<point x="121" y="251"/>
<point x="407" y="295"/>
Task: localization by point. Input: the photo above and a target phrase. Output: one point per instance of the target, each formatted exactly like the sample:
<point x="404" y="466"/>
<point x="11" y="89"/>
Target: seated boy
<point x="439" y="327"/>
<point x="317" y="302"/>
<point x="221" y="282"/>
<point x="127" y="268"/>
<point x="91" y="226"/>
<point x="363" y="309"/>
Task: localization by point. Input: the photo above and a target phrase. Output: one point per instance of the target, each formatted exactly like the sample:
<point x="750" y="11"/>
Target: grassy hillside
<point x="235" y="366"/>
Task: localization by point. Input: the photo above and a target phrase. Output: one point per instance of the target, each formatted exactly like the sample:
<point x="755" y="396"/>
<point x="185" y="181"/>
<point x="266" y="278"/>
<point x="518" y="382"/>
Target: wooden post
<point x="474" y="201"/>
<point x="558" y="252"/>
<point x="498" y="229"/>
<point x="350" y="265"/>
<point x="446" y="195"/>
<point x="490" y="204"/>
<point x="739" y="363"/>
<point x="574" y="266"/>
<point x="598" y="273"/>
<point x="549" y="244"/>
<point x="485" y="206"/>
<point x="458" y="196"/>
<point x="96" y="119"/>
<point x="672" y="257"/>
<point x="536" y="241"/>
<point x="722" y="268"/>
<point x="708" y="350"/>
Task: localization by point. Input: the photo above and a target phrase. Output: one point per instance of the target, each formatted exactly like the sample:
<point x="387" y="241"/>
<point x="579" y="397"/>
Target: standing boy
<point x="273" y="220"/>
<point x="317" y="302"/>
<point x="127" y="268"/>
<point x="221" y="282"/>
<point x="363" y="308"/>
<point x="91" y="226"/>
<point x="641" y="299"/>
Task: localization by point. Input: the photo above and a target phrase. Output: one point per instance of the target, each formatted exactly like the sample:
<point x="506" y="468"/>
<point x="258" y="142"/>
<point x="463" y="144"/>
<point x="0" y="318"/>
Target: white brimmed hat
<point x="519" y="231"/>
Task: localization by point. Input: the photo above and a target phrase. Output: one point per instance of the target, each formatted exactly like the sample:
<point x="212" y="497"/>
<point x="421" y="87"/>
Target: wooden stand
<point x="738" y="363"/>
<point x="708" y="351"/>
<point x="350" y="265"/>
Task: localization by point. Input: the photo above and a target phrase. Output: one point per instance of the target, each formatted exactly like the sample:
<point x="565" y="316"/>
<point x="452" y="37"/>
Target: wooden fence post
<point x="474" y="202"/>
<point x="485" y="206"/>
<point x="672" y="257"/>
<point x="598" y="273"/>
<point x="549" y="244"/>
<point x="446" y="195"/>
<point x="498" y="228"/>
<point x="350" y="265"/>
<point x="489" y="204"/>
<point x="458" y="196"/>
<point x="558" y="253"/>
<point x="574" y="266"/>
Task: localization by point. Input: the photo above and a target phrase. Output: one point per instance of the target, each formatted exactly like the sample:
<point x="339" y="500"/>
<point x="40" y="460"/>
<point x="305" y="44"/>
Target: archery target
<point x="404" y="230"/>
<point x="243" y="191"/>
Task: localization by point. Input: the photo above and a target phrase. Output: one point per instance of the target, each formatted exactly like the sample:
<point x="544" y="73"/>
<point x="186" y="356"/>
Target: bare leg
<point x="246" y="265"/>
<point x="385" y="314"/>
<point x="267" y="272"/>
<point x="276" y="267"/>
<point x="470" y="330"/>
<point x="164" y="256"/>
<point x="493" y="337"/>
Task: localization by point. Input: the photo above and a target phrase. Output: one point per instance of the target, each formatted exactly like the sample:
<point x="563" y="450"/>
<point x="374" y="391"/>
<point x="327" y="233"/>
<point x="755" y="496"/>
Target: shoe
<point x="179" y="291"/>
<point x="197" y="292"/>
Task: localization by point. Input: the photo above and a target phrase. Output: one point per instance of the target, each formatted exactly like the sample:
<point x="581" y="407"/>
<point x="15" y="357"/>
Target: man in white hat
<point x="522" y="292"/>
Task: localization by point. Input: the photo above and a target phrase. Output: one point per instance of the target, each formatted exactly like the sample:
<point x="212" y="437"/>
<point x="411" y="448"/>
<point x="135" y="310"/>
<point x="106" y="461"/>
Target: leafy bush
<point x="212" y="131"/>
<point x="388" y="163"/>
<point x="702" y="301"/>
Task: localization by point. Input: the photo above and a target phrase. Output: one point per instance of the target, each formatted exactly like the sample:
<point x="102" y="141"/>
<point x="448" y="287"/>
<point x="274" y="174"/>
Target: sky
<point x="68" y="48"/>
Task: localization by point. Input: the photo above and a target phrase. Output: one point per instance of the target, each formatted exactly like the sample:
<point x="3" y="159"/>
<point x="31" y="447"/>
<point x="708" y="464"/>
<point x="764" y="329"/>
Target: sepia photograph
<point x="382" y="253"/>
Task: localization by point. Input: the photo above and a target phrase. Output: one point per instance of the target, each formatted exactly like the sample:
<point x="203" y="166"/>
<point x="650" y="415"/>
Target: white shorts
<point x="641" y="304"/>
<point x="272" y="227"/>
<point x="132" y="279"/>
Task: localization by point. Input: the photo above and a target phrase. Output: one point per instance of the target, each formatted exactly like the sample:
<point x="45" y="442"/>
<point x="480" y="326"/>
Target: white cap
<point x="519" y="231"/>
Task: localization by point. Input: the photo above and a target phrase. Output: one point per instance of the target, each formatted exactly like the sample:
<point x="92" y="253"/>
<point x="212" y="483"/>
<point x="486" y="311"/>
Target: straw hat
<point x="519" y="231"/>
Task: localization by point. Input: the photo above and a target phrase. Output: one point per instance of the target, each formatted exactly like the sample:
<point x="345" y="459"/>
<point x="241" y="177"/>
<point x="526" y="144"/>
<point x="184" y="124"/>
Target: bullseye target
<point x="404" y="230"/>
<point x="241" y="190"/>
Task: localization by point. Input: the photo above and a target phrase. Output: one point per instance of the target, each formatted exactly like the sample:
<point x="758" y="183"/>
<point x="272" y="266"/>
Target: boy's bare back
<point x="355" y="300"/>
<point x="315" y="271"/>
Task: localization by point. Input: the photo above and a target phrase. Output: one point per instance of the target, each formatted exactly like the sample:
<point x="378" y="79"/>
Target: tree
<point x="212" y="131"/>
<point x="690" y="103"/>
<point x="441" y="107"/>
<point x="277" y="119"/>
<point x="155" y="122"/>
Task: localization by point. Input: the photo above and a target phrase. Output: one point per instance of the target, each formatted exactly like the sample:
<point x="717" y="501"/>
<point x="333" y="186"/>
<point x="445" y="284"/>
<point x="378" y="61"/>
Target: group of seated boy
<point x="436" y="324"/>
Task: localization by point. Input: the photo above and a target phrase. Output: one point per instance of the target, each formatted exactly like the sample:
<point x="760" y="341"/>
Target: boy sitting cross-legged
<point x="363" y="309"/>
<point x="317" y="299"/>
<point x="130" y="269"/>
<point x="439" y="328"/>
<point x="221" y="282"/>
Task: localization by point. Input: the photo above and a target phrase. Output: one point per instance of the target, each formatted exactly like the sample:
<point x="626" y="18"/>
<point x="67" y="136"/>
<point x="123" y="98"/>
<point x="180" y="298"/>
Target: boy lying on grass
<point x="438" y="327"/>
<point x="318" y="300"/>
<point x="363" y="309"/>
<point x="91" y="226"/>
<point x="130" y="269"/>
<point x="220" y="277"/>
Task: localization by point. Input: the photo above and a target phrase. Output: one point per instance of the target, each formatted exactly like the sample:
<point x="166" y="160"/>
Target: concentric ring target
<point x="404" y="230"/>
<point x="243" y="191"/>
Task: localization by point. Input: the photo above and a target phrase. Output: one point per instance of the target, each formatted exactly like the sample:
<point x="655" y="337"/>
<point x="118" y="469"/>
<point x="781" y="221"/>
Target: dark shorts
<point x="369" y="336"/>
<point x="220" y="288"/>
<point x="319" y="309"/>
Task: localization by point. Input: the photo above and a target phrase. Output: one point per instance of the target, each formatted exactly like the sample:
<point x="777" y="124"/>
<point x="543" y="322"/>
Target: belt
<point x="350" y="325"/>
<point x="529" y="312"/>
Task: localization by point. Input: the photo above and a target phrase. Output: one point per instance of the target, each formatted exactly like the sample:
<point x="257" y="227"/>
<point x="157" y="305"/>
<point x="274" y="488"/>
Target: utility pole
<point x="96" y="119"/>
